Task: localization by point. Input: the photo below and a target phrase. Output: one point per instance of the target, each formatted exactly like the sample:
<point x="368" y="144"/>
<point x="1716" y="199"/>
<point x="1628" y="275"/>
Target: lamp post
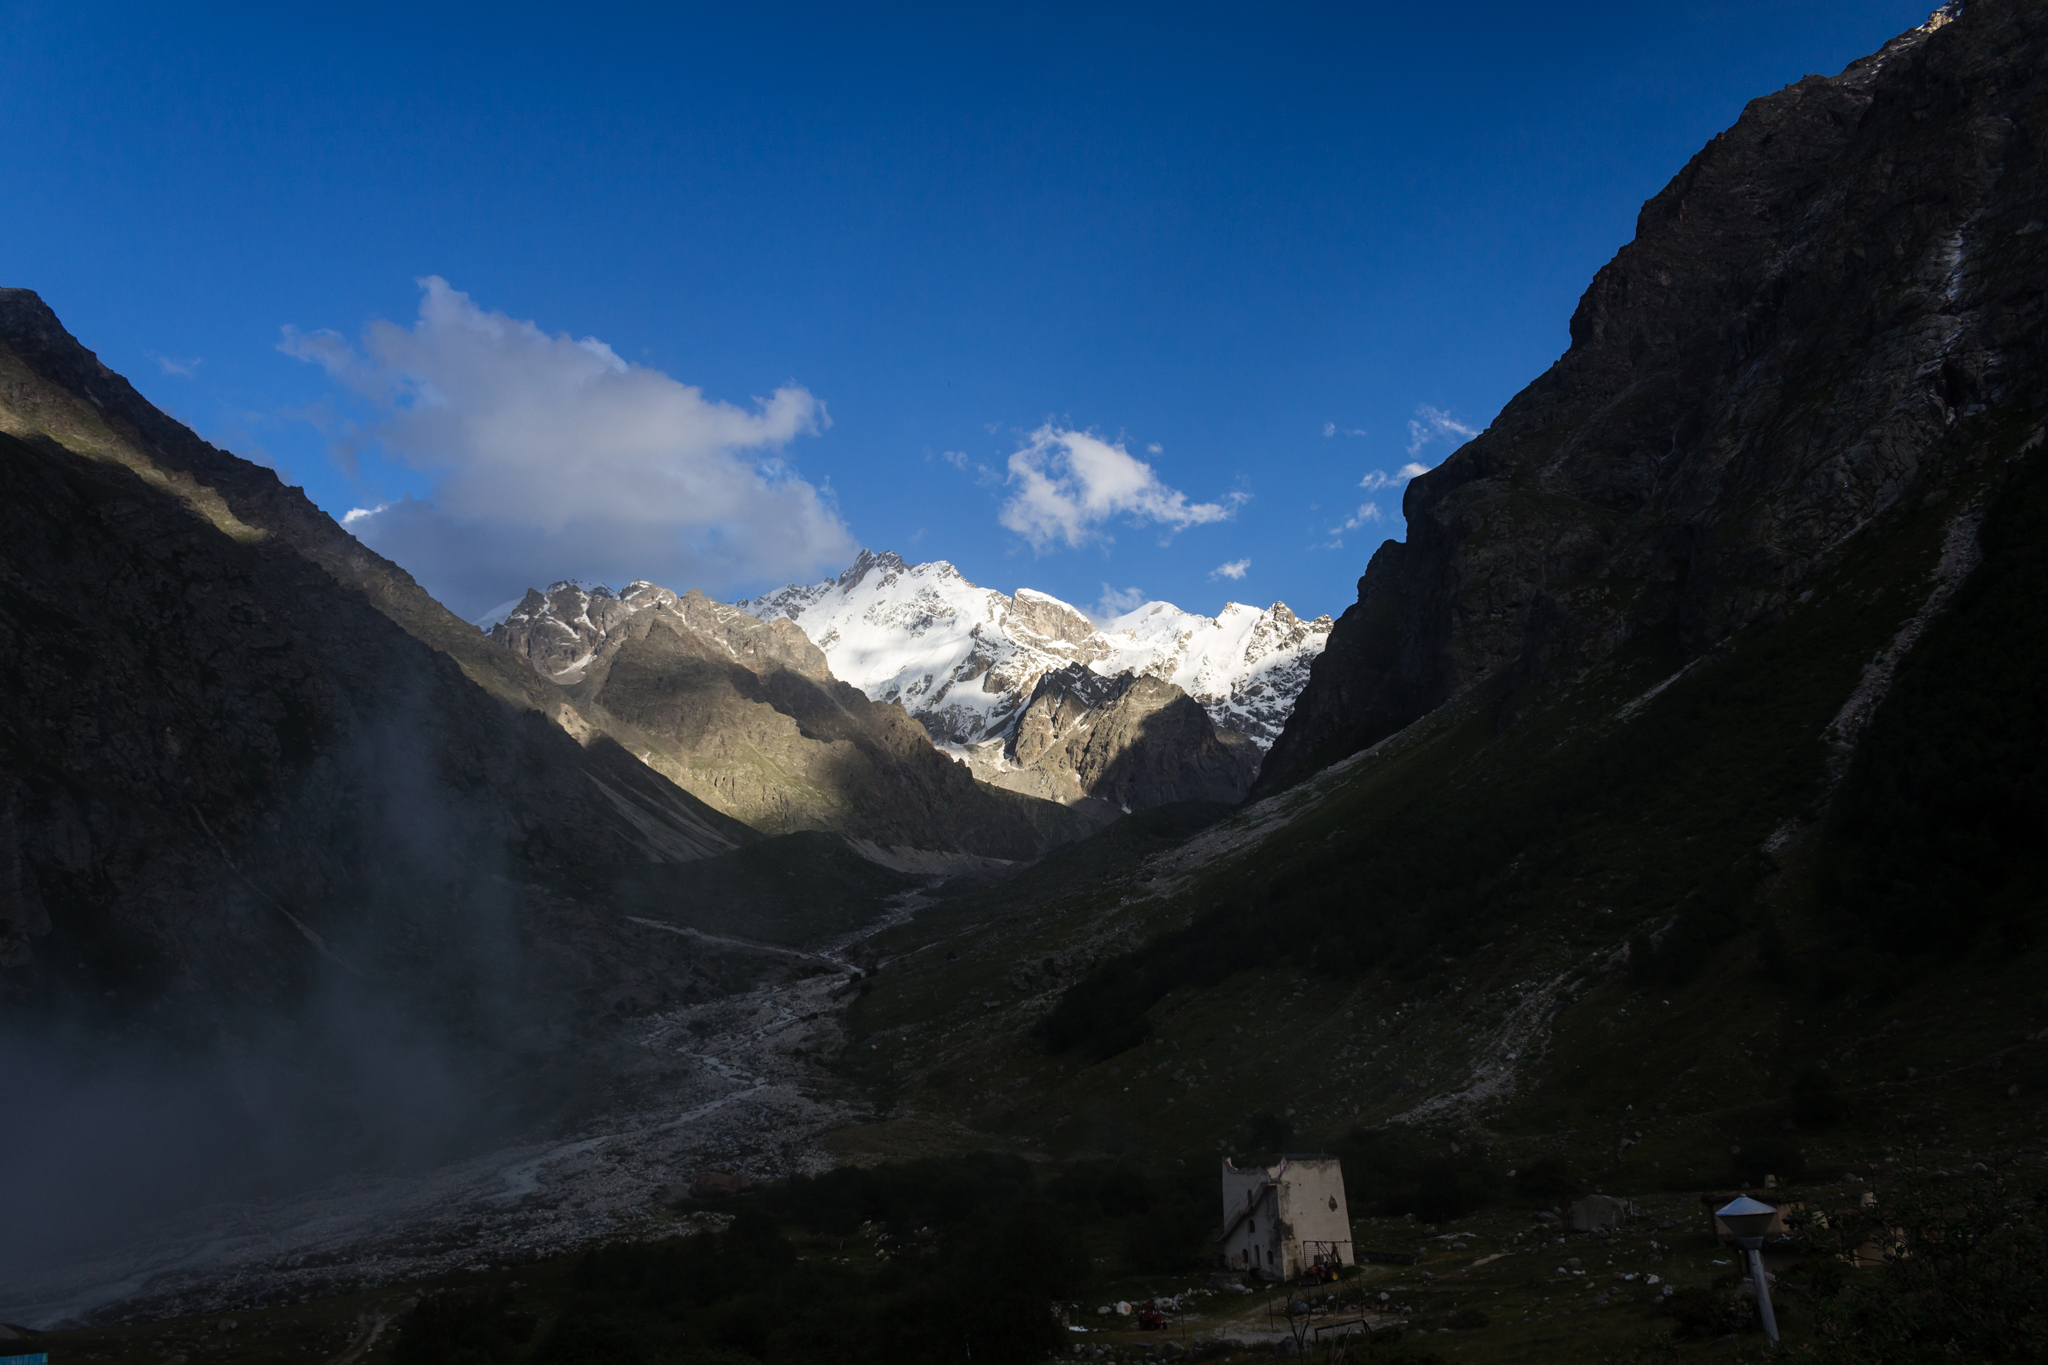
<point x="1747" y="1220"/>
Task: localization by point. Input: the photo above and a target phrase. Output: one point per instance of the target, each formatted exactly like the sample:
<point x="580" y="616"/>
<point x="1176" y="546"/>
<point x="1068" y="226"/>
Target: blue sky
<point x="1093" y="299"/>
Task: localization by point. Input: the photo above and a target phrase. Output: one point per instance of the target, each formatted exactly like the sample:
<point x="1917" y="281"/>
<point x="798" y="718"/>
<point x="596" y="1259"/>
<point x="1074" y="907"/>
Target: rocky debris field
<point x="737" y="1085"/>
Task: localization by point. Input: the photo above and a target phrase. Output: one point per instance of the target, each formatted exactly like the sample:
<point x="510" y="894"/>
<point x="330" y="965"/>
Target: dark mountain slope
<point x="1651" y="903"/>
<point x="285" y="894"/>
<point x="225" y="769"/>
<point x="57" y="386"/>
<point x="1642" y="907"/>
<point x="1781" y="360"/>
<point x="1938" y="840"/>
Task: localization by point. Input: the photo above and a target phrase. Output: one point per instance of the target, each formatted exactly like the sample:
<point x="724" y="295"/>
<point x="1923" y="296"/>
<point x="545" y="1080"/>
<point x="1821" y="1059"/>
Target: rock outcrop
<point x="745" y="714"/>
<point x="1815" y="322"/>
<point x="1132" y="741"/>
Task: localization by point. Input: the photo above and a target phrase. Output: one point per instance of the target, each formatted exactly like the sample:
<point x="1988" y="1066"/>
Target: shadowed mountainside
<point x="1794" y="352"/>
<point x="227" y="761"/>
<point x="1729" y="868"/>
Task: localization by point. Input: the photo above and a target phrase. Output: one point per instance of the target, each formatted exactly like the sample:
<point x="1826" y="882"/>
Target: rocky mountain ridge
<point x="156" y="741"/>
<point x="1123" y="739"/>
<point x="1779" y="363"/>
<point x="1107" y="742"/>
<point x="746" y="714"/>
<point x="964" y="661"/>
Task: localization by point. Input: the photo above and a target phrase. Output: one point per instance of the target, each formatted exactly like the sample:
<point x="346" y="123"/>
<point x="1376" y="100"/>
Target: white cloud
<point x="1235" y="569"/>
<point x="184" y="369"/>
<point x="1368" y="514"/>
<point x="553" y="458"/>
<point x="1380" y="478"/>
<point x="496" y="614"/>
<point x="1070" y="482"/>
<point x="1434" y="424"/>
<point x="1329" y="428"/>
<point x="356" y="514"/>
<point x="1115" y="602"/>
<point x="955" y="458"/>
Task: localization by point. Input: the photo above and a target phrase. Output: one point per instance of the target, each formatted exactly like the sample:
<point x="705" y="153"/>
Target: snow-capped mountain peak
<point x="963" y="659"/>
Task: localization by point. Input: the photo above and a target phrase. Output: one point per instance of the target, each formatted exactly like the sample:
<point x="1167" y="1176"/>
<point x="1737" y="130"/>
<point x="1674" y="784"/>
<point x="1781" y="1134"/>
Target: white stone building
<point x="1280" y="1220"/>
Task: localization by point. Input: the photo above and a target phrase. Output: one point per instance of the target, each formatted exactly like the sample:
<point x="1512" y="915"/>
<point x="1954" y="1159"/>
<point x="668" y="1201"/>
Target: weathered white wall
<point x="1313" y="1213"/>
<point x="1294" y="1206"/>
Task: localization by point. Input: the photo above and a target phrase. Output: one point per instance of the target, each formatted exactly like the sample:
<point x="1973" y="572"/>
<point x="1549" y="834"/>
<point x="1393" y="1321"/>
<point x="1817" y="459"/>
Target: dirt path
<point x="357" y="1348"/>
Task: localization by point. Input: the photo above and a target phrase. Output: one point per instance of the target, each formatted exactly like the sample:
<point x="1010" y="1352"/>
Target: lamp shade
<point x="1747" y="1219"/>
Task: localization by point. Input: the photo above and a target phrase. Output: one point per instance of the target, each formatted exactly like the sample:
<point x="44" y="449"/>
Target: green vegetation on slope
<point x="1940" y="835"/>
<point x="925" y="1262"/>
<point x="1658" y="824"/>
<point x="795" y="890"/>
<point x="1599" y="942"/>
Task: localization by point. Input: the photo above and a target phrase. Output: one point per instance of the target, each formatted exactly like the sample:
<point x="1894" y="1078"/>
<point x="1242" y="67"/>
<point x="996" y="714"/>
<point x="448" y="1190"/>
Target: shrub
<point x="1816" y="1099"/>
<point x="1769" y="1154"/>
<point x="1964" y="1277"/>
<point x="1709" y="1312"/>
<point x="1396" y="1171"/>
<point x="462" y="1329"/>
<point x="1546" y="1181"/>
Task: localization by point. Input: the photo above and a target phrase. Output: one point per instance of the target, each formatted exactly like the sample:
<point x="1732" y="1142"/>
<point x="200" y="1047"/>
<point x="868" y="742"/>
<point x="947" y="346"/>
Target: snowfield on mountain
<point x="963" y="659"/>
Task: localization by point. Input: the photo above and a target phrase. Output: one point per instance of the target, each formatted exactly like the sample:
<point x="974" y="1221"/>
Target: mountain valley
<point x="1663" y="820"/>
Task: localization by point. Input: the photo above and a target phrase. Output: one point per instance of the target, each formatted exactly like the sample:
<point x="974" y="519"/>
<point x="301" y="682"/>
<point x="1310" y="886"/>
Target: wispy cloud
<point x="1434" y="424"/>
<point x="1368" y="514"/>
<point x="183" y="369"/>
<point x="1235" y="569"/>
<point x="956" y="458"/>
<point x="555" y="458"/>
<point x="1380" y="478"/>
<point x="1429" y="425"/>
<point x="1332" y="429"/>
<point x="1070" y="482"/>
<point x="1115" y="602"/>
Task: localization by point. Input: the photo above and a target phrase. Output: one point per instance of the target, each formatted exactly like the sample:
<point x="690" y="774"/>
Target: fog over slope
<point x="286" y="888"/>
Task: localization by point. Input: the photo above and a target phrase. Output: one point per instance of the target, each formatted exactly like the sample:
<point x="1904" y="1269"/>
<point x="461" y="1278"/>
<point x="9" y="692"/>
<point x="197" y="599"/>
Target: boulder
<point x="719" y="1184"/>
<point x="1598" y="1213"/>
